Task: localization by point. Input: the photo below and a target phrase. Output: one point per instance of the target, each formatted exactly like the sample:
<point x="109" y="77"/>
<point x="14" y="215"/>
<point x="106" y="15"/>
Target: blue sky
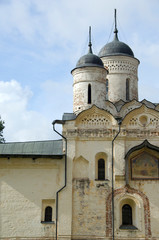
<point x="40" y="43"/>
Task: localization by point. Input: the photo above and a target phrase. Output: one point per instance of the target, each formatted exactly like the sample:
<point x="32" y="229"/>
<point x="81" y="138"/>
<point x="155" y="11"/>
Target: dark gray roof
<point x="53" y="149"/>
<point x="116" y="48"/>
<point x="89" y="60"/>
<point x="68" y="116"/>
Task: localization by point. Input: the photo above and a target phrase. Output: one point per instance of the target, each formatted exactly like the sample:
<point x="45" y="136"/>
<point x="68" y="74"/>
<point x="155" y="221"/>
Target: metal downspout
<point x="119" y="124"/>
<point x="57" y="193"/>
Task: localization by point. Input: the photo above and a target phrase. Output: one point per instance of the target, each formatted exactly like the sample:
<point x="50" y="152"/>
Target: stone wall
<point x="25" y="185"/>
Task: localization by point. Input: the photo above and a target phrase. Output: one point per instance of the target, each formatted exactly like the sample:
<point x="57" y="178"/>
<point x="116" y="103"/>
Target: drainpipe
<point x="57" y="193"/>
<point x="119" y="120"/>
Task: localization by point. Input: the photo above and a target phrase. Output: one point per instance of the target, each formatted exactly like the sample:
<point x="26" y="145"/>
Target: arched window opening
<point x="107" y="88"/>
<point x="89" y="94"/>
<point x="48" y="214"/>
<point x="127" y="89"/>
<point x="126" y="215"/>
<point x="101" y="169"/>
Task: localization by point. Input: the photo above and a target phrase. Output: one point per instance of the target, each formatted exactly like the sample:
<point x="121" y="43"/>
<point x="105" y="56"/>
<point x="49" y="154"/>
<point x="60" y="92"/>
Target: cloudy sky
<point x="40" y="43"/>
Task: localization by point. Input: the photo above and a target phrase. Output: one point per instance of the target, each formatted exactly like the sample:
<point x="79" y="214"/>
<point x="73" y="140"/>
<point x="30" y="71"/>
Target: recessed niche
<point x="143" y="120"/>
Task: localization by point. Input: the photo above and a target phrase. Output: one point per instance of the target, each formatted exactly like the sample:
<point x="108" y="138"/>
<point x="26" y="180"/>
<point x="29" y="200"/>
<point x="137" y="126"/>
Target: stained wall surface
<point x="91" y="197"/>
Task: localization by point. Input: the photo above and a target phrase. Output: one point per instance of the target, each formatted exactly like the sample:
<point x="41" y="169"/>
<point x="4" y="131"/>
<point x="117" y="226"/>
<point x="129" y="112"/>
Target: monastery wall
<point x="27" y="186"/>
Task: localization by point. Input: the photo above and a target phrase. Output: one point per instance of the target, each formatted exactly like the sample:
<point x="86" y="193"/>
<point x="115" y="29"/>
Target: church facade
<point x="101" y="179"/>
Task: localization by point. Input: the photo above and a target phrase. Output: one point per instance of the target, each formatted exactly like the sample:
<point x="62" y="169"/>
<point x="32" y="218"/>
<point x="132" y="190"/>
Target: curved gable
<point x="95" y="117"/>
<point x="142" y="117"/>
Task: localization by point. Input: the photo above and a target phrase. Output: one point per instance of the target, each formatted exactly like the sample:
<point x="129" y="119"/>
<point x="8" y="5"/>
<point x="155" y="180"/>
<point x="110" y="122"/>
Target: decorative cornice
<point x="110" y="133"/>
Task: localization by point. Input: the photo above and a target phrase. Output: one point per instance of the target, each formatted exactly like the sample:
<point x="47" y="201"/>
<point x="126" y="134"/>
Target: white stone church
<point x="100" y="181"/>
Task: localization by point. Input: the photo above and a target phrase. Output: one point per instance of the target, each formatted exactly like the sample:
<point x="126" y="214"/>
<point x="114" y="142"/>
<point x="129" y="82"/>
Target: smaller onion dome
<point x="90" y="59"/>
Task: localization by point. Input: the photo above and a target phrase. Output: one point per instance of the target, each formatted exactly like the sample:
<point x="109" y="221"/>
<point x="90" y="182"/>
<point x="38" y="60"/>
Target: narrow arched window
<point x="127" y="89"/>
<point x="48" y="214"/>
<point x="89" y="94"/>
<point x="101" y="169"/>
<point x="107" y="88"/>
<point x="126" y="215"/>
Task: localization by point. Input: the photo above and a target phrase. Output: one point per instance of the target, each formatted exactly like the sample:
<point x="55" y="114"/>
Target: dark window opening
<point x="127" y="89"/>
<point x="89" y="94"/>
<point x="107" y="88"/>
<point x="126" y="215"/>
<point x="101" y="169"/>
<point x="48" y="214"/>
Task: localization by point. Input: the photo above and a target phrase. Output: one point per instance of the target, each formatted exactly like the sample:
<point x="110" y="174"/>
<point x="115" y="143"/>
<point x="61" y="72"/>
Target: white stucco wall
<point x="121" y="68"/>
<point x="24" y="184"/>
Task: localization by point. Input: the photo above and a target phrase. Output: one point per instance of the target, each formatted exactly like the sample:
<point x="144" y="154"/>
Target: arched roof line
<point x="94" y="106"/>
<point x="145" y="144"/>
<point x="136" y="109"/>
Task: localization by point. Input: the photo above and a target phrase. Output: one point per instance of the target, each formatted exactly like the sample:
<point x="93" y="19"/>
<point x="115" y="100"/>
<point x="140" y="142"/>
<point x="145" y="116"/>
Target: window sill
<point x="128" y="227"/>
<point x="45" y="222"/>
<point x="101" y="180"/>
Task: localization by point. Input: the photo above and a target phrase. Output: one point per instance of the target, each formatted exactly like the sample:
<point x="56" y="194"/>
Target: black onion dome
<point x="116" y="48"/>
<point x="89" y="60"/>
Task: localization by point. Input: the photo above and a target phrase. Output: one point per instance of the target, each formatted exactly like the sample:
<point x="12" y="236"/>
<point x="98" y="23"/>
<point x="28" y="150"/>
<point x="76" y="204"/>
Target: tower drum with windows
<point x="89" y="87"/>
<point x="122" y="67"/>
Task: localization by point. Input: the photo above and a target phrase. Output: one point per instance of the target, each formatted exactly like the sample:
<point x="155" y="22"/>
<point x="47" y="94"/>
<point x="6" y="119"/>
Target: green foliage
<point x="2" y="140"/>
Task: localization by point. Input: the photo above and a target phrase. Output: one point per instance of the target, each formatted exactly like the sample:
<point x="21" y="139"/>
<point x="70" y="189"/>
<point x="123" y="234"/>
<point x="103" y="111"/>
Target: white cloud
<point x="21" y="124"/>
<point x="60" y="28"/>
<point x="55" y="22"/>
<point x="24" y="124"/>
